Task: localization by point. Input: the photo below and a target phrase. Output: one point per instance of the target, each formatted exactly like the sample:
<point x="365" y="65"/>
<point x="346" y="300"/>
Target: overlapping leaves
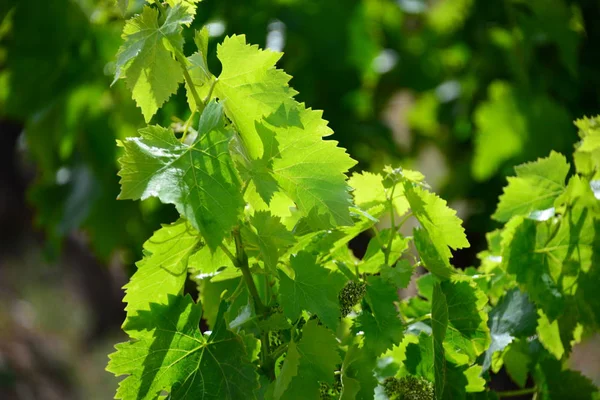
<point x="199" y="179"/>
<point x="169" y="353"/>
<point x="145" y="58"/>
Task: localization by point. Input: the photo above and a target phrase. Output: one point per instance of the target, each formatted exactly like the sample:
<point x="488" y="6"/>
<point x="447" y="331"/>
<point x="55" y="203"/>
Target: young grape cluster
<point x="408" y="388"/>
<point x="327" y="392"/>
<point x="350" y="295"/>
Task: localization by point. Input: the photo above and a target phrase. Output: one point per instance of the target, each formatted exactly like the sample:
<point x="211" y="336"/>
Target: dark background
<point x="461" y="90"/>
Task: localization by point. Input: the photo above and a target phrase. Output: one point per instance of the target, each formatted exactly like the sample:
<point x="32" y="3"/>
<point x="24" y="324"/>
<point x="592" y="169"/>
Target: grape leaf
<point x="313" y="288"/>
<point x="163" y="270"/>
<point x="374" y="259"/>
<point x="559" y="383"/>
<point x="188" y="5"/>
<point x="439" y="326"/>
<point x="514" y="316"/>
<point x="205" y="264"/>
<point x="501" y="130"/>
<point x="199" y="179"/>
<point x="547" y="257"/>
<point x="310" y="170"/>
<point x="549" y="335"/>
<point x="419" y="358"/>
<point x="535" y="187"/>
<point x="440" y="221"/>
<point x="380" y="323"/>
<point x="435" y="257"/>
<point x="152" y="73"/>
<point x="282" y="141"/>
<point x="587" y="152"/>
<point x="268" y="240"/>
<point x="358" y="380"/>
<point x="467" y="334"/>
<point x="462" y="379"/>
<point x="289" y="370"/>
<point x="318" y="361"/>
<point x="251" y="87"/>
<point x="399" y="275"/>
<point x="197" y="67"/>
<point x="169" y="353"/>
<point x="517" y="362"/>
<point x="369" y="191"/>
<point x="210" y="297"/>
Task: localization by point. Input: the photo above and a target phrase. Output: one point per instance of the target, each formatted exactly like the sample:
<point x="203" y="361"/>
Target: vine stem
<point x="279" y="351"/>
<point x="186" y="127"/>
<point x="188" y="79"/>
<point x="388" y="248"/>
<point x="210" y="90"/>
<point x="242" y="264"/>
<point x="515" y="393"/>
<point x="421" y="318"/>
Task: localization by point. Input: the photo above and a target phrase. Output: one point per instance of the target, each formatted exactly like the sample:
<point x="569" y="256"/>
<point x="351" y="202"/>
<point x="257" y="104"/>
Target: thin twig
<point x="190" y="82"/>
<point x="242" y="264"/>
<point x="515" y="393"/>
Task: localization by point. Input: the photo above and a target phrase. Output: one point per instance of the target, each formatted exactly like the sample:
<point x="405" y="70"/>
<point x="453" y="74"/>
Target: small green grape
<point x="408" y="388"/>
<point x="350" y="295"/>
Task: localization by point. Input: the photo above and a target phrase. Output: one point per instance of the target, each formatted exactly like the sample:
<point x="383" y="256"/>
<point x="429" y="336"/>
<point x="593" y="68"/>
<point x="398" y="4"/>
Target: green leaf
<point x="517" y="362"/>
<point x="251" y="87"/>
<point x="201" y="77"/>
<point x="288" y="371"/>
<point x="145" y="57"/>
<point x="368" y="190"/>
<point x="462" y="379"/>
<point x="501" y="130"/>
<point x="211" y="297"/>
<point x="419" y="359"/>
<point x="313" y="288"/>
<point x="329" y="243"/>
<point x="374" y="258"/>
<point x="205" y="264"/>
<point x="273" y="128"/>
<point x="358" y="380"/>
<point x="513" y="317"/>
<point x="587" y="152"/>
<point x="547" y="19"/>
<point x="310" y="170"/>
<point x="440" y="221"/>
<point x="467" y="335"/>
<point x="199" y="179"/>
<point x="163" y="270"/>
<point x="435" y="257"/>
<point x="169" y="353"/>
<point x="561" y="383"/>
<point x="123" y="6"/>
<point x="399" y="275"/>
<point x="549" y="335"/>
<point x="381" y="322"/>
<point x="548" y="257"/>
<point x="318" y="361"/>
<point x="197" y="67"/>
<point x="439" y="326"/>
<point x="268" y="240"/>
<point x="188" y="5"/>
<point x="535" y="187"/>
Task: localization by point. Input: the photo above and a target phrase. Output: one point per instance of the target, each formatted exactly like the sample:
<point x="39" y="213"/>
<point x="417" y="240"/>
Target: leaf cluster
<point x="266" y="215"/>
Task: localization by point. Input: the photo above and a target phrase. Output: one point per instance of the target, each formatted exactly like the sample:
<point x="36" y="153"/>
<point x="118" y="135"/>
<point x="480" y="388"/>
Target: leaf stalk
<point x="519" y="392"/>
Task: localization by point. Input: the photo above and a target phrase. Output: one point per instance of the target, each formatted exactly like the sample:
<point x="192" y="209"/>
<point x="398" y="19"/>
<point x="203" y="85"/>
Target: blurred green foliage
<point x="486" y="85"/>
